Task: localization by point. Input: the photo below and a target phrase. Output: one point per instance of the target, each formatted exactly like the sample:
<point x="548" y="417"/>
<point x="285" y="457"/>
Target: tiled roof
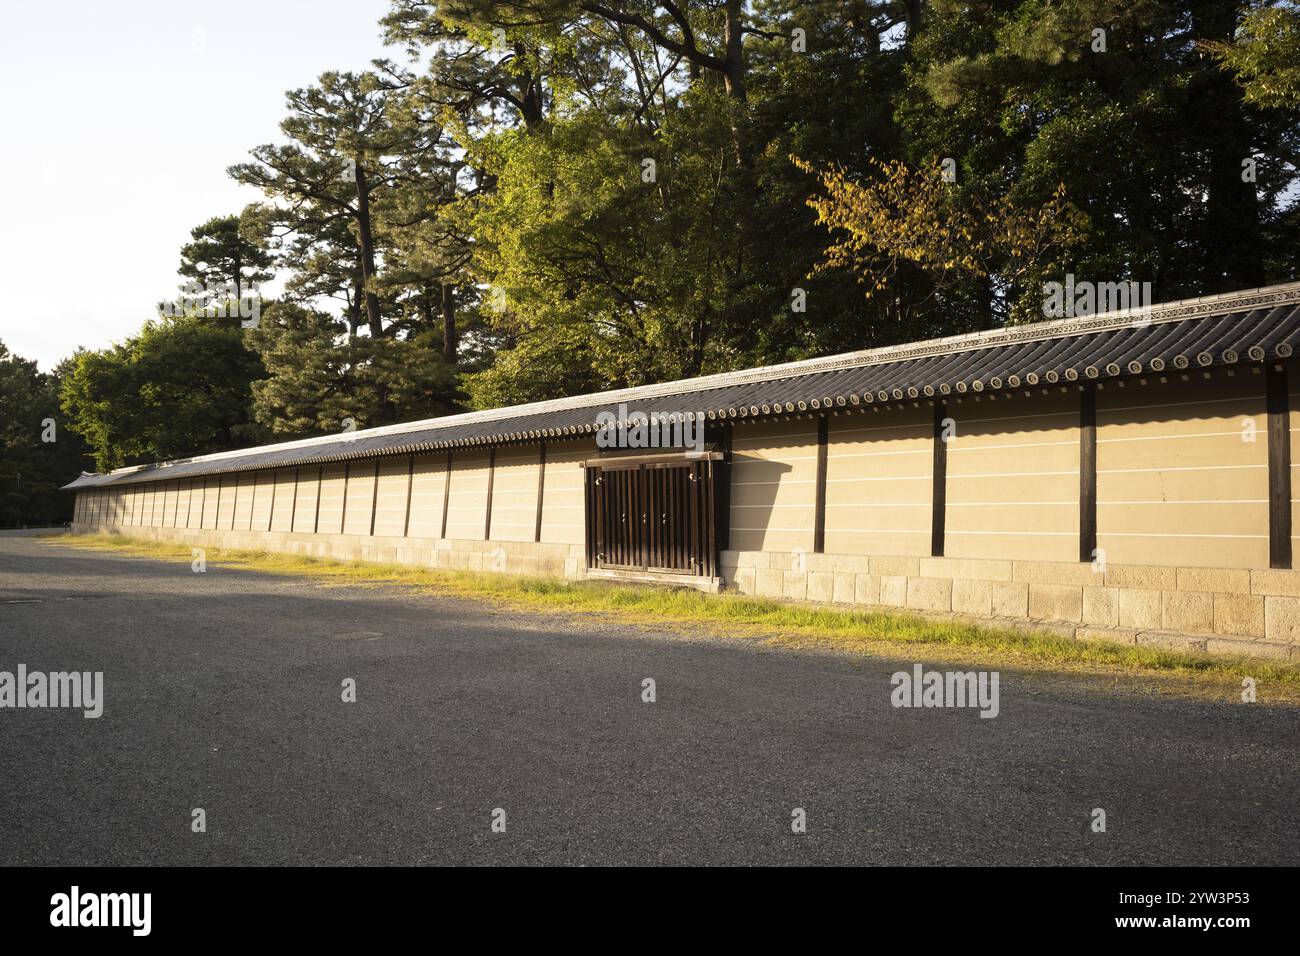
<point x="1249" y="327"/>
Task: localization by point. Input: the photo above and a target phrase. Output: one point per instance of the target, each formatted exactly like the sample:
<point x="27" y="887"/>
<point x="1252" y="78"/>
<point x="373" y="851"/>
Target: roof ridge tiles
<point x="1220" y="305"/>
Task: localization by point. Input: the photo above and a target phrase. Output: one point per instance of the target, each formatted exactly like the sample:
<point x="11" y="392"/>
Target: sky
<point x="120" y="120"/>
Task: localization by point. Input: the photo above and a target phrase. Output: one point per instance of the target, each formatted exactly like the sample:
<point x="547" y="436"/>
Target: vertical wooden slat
<point x="252" y="505"/>
<point x="819" y="517"/>
<point x="189" y="505"/>
<point x="541" y="488"/>
<point x="592" y="514"/>
<point x="446" y="497"/>
<point x="343" y="512"/>
<point x="374" y="500"/>
<point x="674" y="539"/>
<point x="1279" y="467"/>
<point x="320" y="486"/>
<point x="694" y="497"/>
<point x="588" y="522"/>
<point x="651" y="523"/>
<point x="636" y="489"/>
<point x="629" y="511"/>
<point x="410" y="484"/>
<point x="602" y="552"/>
<point x="293" y="508"/>
<point x="270" y="512"/>
<point x="618" y="514"/>
<point x="234" y="505"/>
<point x="711" y="556"/>
<point x="939" y="481"/>
<point x="203" y="506"/>
<point x="492" y="474"/>
<point x="1088" y="473"/>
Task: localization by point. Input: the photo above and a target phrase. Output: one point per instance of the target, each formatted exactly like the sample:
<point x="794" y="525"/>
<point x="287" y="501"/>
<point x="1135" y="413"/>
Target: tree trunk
<point x="367" y="240"/>
<point x="354" y="306"/>
<point x="530" y="95"/>
<point x="733" y="38"/>
<point x="450" y="343"/>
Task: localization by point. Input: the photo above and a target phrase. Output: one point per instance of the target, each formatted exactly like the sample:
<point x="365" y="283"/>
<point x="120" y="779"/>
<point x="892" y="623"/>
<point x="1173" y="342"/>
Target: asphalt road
<point x="223" y="692"/>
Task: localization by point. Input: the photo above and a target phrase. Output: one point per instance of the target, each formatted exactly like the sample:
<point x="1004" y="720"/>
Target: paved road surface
<point x="223" y="691"/>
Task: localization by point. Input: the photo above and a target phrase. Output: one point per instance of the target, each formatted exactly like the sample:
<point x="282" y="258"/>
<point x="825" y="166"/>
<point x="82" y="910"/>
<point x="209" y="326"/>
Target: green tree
<point x="38" y="455"/>
<point x="1264" y="55"/>
<point x="321" y="379"/>
<point x="218" y="255"/>
<point x="180" y="387"/>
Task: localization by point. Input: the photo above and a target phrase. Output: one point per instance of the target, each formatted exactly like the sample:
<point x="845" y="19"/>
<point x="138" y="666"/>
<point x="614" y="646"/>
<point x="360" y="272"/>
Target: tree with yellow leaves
<point x="960" y="239"/>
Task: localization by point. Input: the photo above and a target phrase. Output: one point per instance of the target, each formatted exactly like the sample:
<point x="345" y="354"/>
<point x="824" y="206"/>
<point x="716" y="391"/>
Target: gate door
<point x="652" y="516"/>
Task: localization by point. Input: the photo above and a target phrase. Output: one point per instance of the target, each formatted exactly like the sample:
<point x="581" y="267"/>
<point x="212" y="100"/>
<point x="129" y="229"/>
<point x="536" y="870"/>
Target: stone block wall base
<point x="507" y="557"/>
<point x="695" y="582"/>
<point x="1240" y="612"/>
<point x="1229" y="611"/>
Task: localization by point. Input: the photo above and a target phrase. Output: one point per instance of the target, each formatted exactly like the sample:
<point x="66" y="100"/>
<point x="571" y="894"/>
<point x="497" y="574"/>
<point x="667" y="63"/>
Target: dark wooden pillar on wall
<point x="1088" y="473"/>
<point x="492" y="473"/>
<point x="939" y="482"/>
<point x="252" y="502"/>
<point x="722" y="490"/>
<point x="819" y="517"/>
<point x="410" y="485"/>
<point x="343" y="513"/>
<point x="270" y="512"/>
<point x="541" y="488"/>
<point x="446" y="497"/>
<point x="320" y="486"/>
<point x="1279" y="466"/>
<point x="374" y="500"/>
<point x="293" y="508"/>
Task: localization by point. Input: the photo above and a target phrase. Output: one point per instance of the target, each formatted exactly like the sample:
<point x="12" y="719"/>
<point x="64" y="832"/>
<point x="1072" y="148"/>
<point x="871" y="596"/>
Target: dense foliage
<point x="543" y="197"/>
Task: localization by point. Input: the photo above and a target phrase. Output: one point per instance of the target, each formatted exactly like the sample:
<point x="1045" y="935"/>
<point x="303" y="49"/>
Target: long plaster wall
<point x="1182" y="556"/>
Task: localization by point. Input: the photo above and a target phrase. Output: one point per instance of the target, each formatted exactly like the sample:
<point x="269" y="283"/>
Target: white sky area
<point x="120" y="119"/>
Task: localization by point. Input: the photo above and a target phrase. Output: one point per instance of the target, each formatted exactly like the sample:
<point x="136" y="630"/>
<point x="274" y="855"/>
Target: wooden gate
<point x="652" y="516"/>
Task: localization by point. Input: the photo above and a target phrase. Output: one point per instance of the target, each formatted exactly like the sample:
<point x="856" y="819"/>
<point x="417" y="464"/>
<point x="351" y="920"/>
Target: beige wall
<point x="390" y="506"/>
<point x="563" y="498"/>
<point x="1182" y="481"/>
<point x="304" y="515"/>
<point x="773" y="485"/>
<point x="246" y="492"/>
<point x="879" y="470"/>
<point x="263" y="490"/>
<point x="282" y="500"/>
<point x="360" y="497"/>
<point x="467" y="505"/>
<point x="428" y="488"/>
<point x="1013" y="478"/>
<point x="1182" y="472"/>
<point x="514" y="494"/>
<point x="331" y="500"/>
